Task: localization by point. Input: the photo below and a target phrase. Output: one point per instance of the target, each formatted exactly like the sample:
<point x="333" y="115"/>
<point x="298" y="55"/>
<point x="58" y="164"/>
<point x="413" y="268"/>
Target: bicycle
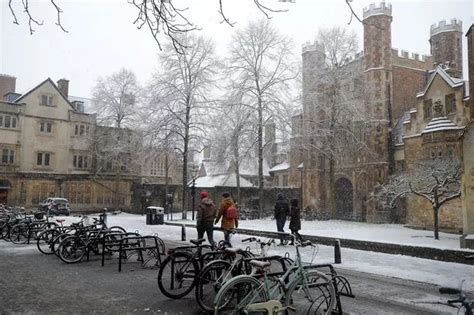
<point x="461" y="302"/>
<point x="299" y="289"/>
<point x="28" y="229"/>
<point x="182" y="265"/>
<point x="72" y="248"/>
<point x="217" y="272"/>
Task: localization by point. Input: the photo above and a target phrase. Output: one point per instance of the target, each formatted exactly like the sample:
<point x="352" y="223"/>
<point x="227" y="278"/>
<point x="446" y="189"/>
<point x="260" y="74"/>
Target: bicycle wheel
<point x="45" y="239"/>
<point x="117" y="228"/>
<point x="72" y="249"/>
<point x="177" y="275"/>
<point x="209" y="281"/>
<point x="56" y="241"/>
<point x="237" y="293"/>
<point x="316" y="296"/>
<point x="19" y="234"/>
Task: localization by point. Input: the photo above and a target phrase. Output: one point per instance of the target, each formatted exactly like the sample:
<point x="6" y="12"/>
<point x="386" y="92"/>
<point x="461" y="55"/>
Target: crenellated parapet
<point x="315" y="46"/>
<point x="413" y="56"/>
<point x="381" y="9"/>
<point x="454" y="25"/>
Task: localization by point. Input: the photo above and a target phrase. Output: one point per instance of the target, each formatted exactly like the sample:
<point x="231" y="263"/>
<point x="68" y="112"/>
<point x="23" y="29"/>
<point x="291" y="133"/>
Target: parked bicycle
<point x="73" y="248"/>
<point x="178" y="272"/>
<point x="299" y="289"/>
<point x="216" y="273"/>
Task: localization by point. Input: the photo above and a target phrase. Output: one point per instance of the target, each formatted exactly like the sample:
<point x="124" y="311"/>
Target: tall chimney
<point x="7" y="85"/>
<point x="63" y="86"/>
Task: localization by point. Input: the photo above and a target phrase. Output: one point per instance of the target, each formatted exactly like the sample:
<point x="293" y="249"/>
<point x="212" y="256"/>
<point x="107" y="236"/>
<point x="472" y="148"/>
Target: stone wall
<point x="420" y="215"/>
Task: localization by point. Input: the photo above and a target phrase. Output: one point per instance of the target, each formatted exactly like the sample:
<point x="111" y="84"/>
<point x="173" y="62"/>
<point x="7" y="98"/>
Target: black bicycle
<point x="178" y="272"/>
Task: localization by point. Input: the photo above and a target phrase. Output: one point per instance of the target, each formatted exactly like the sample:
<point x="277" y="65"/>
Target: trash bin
<point x="154" y="215"/>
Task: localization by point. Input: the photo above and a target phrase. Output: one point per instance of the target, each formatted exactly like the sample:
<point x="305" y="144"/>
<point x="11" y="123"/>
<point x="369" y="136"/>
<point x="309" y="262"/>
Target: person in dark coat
<point x="295" y="219"/>
<point x="281" y="212"/>
<point x="205" y="218"/>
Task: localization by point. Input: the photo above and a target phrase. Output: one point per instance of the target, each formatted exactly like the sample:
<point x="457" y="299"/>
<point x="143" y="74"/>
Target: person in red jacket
<point x="229" y="223"/>
<point x="205" y="217"/>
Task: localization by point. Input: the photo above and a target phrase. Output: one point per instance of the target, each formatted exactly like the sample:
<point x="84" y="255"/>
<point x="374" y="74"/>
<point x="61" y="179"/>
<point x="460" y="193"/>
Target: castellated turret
<point x="446" y="46"/>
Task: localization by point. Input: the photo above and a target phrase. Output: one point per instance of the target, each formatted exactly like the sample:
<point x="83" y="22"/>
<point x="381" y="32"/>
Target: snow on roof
<point x="249" y="167"/>
<point x="215" y="168"/>
<point x="440" y="124"/>
<point x="280" y="167"/>
<point x="228" y="180"/>
<point x="453" y="82"/>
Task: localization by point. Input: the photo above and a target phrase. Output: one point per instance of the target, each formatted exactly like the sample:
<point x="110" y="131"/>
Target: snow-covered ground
<point x="398" y="266"/>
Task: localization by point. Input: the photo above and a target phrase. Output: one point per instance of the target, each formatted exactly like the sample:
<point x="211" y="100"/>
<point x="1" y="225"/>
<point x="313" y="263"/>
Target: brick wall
<point x="7" y="84"/>
<point x="406" y="83"/>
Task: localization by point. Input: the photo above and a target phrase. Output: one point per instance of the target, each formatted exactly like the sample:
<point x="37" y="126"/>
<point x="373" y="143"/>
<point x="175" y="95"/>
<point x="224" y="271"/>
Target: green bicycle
<point x="299" y="290"/>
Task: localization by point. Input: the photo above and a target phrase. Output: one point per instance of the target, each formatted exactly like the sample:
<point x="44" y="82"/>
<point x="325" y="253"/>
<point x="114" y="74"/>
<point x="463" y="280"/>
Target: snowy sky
<point x="101" y="36"/>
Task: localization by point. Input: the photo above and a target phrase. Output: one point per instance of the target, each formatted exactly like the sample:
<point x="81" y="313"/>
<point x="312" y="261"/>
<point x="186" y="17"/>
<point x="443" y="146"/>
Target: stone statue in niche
<point x="438" y="109"/>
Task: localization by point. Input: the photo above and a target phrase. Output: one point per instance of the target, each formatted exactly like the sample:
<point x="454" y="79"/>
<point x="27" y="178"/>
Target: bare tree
<point x="159" y="16"/>
<point x="181" y="92"/>
<point x="116" y="153"/>
<point x="260" y="69"/>
<point x="236" y="141"/>
<point x="437" y="181"/>
<point x="337" y="122"/>
<point x="115" y="98"/>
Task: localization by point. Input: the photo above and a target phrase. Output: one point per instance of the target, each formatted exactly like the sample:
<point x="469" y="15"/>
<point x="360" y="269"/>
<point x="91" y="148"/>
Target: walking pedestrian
<point x="205" y="217"/>
<point x="281" y="212"/>
<point x="228" y="213"/>
<point x="295" y="219"/>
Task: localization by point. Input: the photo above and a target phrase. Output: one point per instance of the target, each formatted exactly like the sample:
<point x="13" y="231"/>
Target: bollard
<point x="183" y="232"/>
<point x="337" y="252"/>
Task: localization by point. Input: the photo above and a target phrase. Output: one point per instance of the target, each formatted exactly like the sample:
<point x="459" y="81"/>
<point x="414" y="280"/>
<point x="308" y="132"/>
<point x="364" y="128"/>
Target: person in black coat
<point x="282" y="209"/>
<point x="295" y="219"/>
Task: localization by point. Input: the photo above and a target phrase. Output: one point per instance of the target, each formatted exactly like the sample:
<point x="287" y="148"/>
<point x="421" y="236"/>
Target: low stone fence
<point x="447" y="255"/>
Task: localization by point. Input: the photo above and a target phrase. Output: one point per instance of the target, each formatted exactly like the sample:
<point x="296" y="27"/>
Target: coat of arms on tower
<point x="438" y="109"/>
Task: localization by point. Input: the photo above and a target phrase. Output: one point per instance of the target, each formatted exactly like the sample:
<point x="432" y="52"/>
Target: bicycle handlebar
<point x="250" y="239"/>
<point x="445" y="290"/>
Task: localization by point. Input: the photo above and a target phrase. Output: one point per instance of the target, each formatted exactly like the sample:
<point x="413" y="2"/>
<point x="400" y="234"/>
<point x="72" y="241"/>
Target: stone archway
<point x="344" y="199"/>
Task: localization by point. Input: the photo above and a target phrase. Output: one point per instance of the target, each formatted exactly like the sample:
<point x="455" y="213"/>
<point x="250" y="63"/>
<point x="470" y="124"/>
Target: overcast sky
<point x="101" y="36"/>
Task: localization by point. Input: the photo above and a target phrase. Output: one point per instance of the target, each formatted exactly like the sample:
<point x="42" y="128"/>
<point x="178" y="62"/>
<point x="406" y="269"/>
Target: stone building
<point x="384" y="84"/>
<point x="467" y="189"/>
<point x="51" y="147"/>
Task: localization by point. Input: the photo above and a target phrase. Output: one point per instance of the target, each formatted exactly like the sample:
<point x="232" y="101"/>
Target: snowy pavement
<point x="397" y="266"/>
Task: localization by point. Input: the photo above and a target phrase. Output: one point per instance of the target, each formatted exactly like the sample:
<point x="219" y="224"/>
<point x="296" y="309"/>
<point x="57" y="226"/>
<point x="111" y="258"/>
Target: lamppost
<point x="194" y="171"/>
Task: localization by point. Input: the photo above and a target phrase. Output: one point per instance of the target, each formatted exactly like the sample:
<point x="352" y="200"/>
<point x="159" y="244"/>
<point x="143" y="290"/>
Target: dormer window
<point x="450" y="102"/>
<point x="428" y="109"/>
<point x="47" y="100"/>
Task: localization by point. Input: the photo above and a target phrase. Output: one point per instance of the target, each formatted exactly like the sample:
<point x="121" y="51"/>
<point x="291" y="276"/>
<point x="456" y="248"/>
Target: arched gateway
<point x="344" y="197"/>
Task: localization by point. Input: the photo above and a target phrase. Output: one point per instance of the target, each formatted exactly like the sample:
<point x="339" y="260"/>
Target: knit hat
<point x="203" y="194"/>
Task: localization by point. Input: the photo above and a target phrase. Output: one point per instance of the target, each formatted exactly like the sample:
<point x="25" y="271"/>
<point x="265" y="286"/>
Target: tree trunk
<point x="436" y="222"/>
<point x="332" y="188"/>
<point x="166" y="183"/>
<point x="185" y="159"/>
<point x="260" y="159"/>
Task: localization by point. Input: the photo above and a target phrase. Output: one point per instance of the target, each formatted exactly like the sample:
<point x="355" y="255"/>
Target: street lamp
<point x="194" y="172"/>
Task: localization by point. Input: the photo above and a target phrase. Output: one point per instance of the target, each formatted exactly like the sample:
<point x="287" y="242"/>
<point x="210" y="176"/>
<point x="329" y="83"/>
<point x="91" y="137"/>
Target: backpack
<point x="231" y="213"/>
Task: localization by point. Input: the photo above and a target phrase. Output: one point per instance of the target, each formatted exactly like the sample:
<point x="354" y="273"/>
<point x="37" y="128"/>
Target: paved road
<point x="32" y="283"/>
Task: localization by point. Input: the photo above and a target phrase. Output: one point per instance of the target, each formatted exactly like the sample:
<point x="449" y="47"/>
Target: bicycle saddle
<point x="60" y="220"/>
<point x="260" y="264"/>
<point x="233" y="251"/>
<point x="197" y="242"/>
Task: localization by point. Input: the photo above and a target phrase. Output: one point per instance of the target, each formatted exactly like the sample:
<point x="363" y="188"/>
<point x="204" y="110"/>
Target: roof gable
<point x="440" y="72"/>
<point x="40" y="85"/>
